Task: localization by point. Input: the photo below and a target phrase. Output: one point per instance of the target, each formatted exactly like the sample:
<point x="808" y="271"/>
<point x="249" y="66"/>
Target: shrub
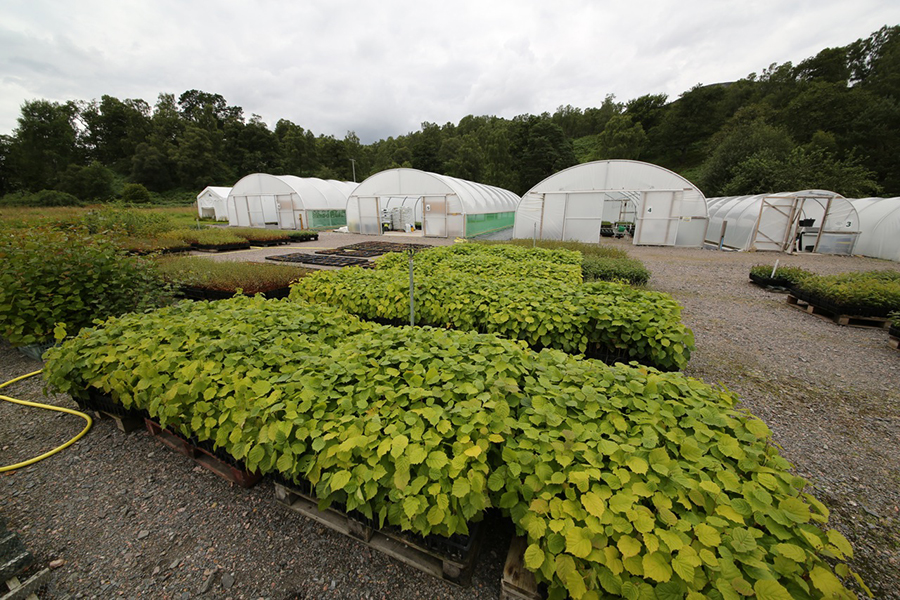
<point x="136" y="193"/>
<point x="229" y="276"/>
<point x="572" y="246"/>
<point x="40" y="199"/>
<point x="626" y="481"/>
<point x="120" y="221"/>
<point x="602" y="319"/>
<point x="145" y="245"/>
<point x="92" y="182"/>
<point x="255" y="234"/>
<point x="628" y="270"/>
<point x="50" y="277"/>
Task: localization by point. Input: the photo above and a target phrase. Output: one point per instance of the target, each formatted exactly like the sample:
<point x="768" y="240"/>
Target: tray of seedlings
<point x="369" y="249"/>
<point x="205" y="279"/>
<point x="862" y="299"/>
<point x="323" y="261"/>
<point x="262" y="237"/>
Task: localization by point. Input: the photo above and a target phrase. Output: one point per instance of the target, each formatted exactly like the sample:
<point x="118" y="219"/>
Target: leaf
<point x="438" y="460"/>
<point x="790" y="551"/>
<point x="742" y="540"/>
<point x="656" y="567"/>
<point x="416" y="454"/>
<point x="628" y="546"/>
<point x="593" y="504"/>
<point x="398" y="445"/>
<point x="840" y="542"/>
<point x="435" y="515"/>
<point x="339" y="480"/>
<point x="473" y="451"/>
<point x="769" y="589"/>
<point x="460" y="488"/>
<point x="575" y="585"/>
<point x="795" y="509"/>
<point x="534" y="557"/>
<point x="707" y="535"/>
<point x="683" y="567"/>
<point x="826" y="582"/>
<point x="577" y="543"/>
<point x="637" y="464"/>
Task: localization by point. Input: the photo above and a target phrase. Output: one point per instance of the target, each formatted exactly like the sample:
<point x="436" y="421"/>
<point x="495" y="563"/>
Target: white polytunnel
<point x="450" y="207"/>
<point x="574" y="204"/>
<point x="212" y="203"/>
<point x="806" y="221"/>
<point x="879" y="227"/>
<point x="288" y="201"/>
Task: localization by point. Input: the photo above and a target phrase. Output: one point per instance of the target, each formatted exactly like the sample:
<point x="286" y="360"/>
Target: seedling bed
<point x="202" y="456"/>
<point x="771" y="283"/>
<point x="221" y="247"/>
<point x="454" y="566"/>
<point x="835" y="316"/>
<point x="327" y="261"/>
<point x="198" y="293"/>
<point x="368" y="249"/>
<point x="518" y="583"/>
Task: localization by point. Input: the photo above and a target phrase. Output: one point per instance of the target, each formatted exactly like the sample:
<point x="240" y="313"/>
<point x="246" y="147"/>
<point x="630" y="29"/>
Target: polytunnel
<point x="805" y="221"/>
<point x="665" y="208"/>
<point x="212" y="203"/>
<point x="288" y="201"/>
<point x="879" y="227"/>
<point x="450" y="207"/>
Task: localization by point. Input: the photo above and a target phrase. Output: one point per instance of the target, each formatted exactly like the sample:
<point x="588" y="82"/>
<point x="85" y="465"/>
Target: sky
<point x="382" y="68"/>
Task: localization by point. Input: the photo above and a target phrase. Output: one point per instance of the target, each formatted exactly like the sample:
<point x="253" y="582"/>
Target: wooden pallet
<point x="396" y="546"/>
<point x="205" y="459"/>
<point x="125" y="424"/>
<point x="518" y="583"/>
<point x="894" y="342"/>
<point x="25" y="590"/>
<point x="846" y="320"/>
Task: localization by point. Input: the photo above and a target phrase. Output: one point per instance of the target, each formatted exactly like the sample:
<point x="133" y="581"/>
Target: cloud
<point x="381" y="69"/>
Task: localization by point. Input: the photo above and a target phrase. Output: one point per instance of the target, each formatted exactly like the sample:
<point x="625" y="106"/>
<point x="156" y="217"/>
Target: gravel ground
<point x="132" y="519"/>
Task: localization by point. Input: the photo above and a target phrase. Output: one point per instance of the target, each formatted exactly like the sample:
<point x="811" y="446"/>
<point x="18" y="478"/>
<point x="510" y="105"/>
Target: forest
<point x="830" y="122"/>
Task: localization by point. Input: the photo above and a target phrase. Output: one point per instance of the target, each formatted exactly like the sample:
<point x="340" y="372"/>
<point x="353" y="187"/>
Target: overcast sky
<point x="381" y="68"/>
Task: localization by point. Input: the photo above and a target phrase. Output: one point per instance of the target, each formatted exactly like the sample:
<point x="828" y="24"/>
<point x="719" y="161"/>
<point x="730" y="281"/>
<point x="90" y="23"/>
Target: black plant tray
<point x="327" y="261"/>
<point x="198" y="293"/>
<point x="303" y="238"/>
<point x="94" y="399"/>
<point x="607" y="232"/>
<point x="842" y="309"/>
<point x="894" y="331"/>
<point x="770" y="281"/>
<point x="269" y="242"/>
<point x="367" y="249"/>
<point x="221" y="247"/>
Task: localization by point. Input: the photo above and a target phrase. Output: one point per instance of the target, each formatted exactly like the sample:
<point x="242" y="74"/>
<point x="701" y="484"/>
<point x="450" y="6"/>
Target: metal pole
<point x="775" y="268"/>
<point x="412" y="302"/>
<point x="353" y="164"/>
<point x="534" y="237"/>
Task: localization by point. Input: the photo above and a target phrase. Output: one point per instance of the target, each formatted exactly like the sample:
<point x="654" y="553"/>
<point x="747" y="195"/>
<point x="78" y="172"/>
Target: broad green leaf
<point x="628" y="546"/>
<point x="534" y="557"/>
<point x="593" y="504"/>
<point x="769" y="589"/>
<point x="339" y="480"/>
<point x="795" y="509"/>
<point x="656" y="567"/>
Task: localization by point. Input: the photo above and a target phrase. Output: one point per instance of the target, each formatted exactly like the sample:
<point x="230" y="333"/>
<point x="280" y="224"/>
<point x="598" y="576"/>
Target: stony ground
<point x="132" y="519"/>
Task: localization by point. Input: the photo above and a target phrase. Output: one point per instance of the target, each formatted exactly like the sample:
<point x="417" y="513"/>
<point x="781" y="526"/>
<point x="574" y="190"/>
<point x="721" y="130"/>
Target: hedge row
<point x="626" y="481"/>
<point x="875" y="293"/>
<point x="602" y="320"/>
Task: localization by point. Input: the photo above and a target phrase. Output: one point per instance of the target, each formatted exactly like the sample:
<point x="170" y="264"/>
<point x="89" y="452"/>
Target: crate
<point x="408" y="549"/>
<point x="518" y="583"/>
<point x="832" y="315"/>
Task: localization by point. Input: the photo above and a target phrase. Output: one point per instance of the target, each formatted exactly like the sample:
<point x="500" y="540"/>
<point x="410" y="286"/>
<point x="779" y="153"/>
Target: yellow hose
<point x="48" y="407"/>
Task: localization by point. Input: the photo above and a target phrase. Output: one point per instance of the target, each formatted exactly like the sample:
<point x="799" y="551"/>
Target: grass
<point x="229" y="276"/>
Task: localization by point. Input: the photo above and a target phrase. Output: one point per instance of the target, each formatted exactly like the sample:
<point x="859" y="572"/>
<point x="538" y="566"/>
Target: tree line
<point x="831" y="122"/>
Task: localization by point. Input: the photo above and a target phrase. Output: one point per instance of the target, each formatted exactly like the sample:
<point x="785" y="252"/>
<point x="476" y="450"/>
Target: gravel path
<point x="132" y="519"/>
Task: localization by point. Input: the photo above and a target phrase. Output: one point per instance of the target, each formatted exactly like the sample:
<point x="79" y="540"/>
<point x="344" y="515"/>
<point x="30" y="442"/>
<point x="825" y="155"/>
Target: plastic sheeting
<point x="212" y="202"/>
<point x="805" y="221"/>
<point x="288" y="201"/>
<point x="666" y="208"/>
<point x="879" y="225"/>
<point x="446" y="203"/>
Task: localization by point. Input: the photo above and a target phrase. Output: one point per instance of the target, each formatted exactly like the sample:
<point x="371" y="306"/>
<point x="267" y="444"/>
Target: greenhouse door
<point x="777" y="217"/>
<point x="286" y="218"/>
<point x="369" y="215"/>
<point x="657" y="223"/>
<point x="434" y="216"/>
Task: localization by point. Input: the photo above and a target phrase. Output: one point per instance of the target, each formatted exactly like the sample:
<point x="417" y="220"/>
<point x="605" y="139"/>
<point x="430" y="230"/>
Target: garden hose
<point x="48" y="407"/>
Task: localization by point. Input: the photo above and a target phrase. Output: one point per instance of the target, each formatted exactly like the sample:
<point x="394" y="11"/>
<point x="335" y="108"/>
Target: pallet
<point x="518" y="583"/>
<point x="124" y="424"/>
<point x="894" y="342"/>
<point x="387" y="542"/>
<point x="202" y="457"/>
<point x="828" y="315"/>
<point x="26" y="590"/>
<point x="327" y="261"/>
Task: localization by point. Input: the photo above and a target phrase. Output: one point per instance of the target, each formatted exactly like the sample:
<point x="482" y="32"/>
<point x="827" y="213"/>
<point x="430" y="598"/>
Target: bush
<point x="135" y="193"/>
<point x="207" y="237"/>
<point x="603" y="320"/>
<point x="626" y="481"/>
<point x="126" y="222"/>
<point x="145" y="245"/>
<point x="41" y="199"/>
<point x="583" y="247"/>
<point x="627" y="270"/>
<point x="93" y="182"/>
<point x="50" y="277"/>
<point x="229" y="276"/>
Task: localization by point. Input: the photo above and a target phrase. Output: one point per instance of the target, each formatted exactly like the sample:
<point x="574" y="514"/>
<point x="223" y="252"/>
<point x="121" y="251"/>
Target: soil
<point x="131" y="518"/>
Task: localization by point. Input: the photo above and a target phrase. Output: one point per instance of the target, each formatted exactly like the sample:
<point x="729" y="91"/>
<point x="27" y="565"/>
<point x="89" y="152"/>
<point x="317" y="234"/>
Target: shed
<point x="806" y="221"/>
<point x="288" y="201"/>
<point x="450" y="207"/>
<point x="212" y="201"/>
<point x="879" y="227"/>
<point x="665" y="208"/>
